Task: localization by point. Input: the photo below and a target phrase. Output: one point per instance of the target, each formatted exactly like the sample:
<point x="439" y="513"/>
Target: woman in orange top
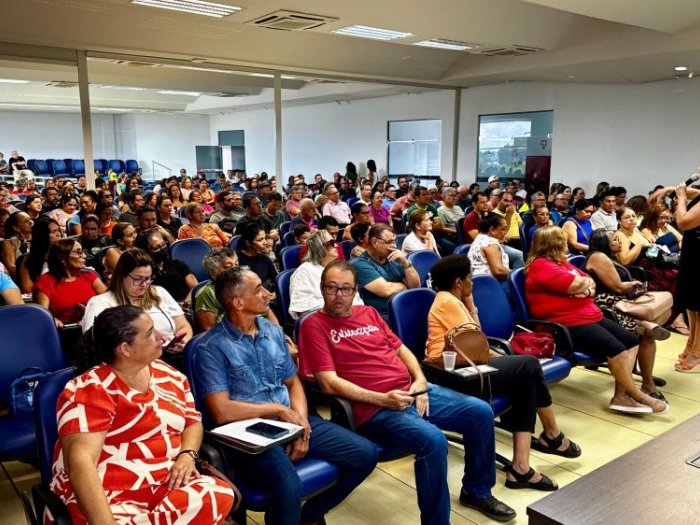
<point x="519" y="377"/>
<point x="198" y="229"/>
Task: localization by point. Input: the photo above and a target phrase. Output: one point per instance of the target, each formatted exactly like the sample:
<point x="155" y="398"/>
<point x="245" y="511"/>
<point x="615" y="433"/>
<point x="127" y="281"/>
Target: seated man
<point x="244" y="370"/>
<point x="383" y="270"/>
<point x="351" y="352"/>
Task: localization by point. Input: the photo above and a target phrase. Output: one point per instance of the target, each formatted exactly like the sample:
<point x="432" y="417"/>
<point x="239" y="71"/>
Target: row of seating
<point x="76" y="167"/>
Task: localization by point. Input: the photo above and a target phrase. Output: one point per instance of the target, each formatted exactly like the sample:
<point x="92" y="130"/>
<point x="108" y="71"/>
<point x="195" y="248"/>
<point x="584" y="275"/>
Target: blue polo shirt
<point x="249" y="369"/>
<point x="369" y="270"/>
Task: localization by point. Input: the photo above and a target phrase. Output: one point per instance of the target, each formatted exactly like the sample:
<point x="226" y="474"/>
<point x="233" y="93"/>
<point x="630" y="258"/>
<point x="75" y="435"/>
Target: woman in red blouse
<point x="129" y="434"/>
<point x="558" y="291"/>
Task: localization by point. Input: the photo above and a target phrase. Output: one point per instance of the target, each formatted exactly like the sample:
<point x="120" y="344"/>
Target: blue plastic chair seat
<point x="18" y="441"/>
<point x="315" y="474"/>
<point x="500" y="403"/>
<point x="556" y="369"/>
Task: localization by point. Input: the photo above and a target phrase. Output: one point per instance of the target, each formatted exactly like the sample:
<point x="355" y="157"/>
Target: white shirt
<point x="480" y="265"/>
<point x="305" y="290"/>
<point x="163" y="316"/>
<point x="340" y="211"/>
<point x="413" y="244"/>
<point x="605" y="220"/>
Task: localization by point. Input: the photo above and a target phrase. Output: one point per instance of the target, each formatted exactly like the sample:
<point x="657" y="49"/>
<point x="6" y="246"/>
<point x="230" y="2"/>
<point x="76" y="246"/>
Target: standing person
<point x="243" y="370"/>
<point x="688" y="286"/>
<point x="351" y="352"/>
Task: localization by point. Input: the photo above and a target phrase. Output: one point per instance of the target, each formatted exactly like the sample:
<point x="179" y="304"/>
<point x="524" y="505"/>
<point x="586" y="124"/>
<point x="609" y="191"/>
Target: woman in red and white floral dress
<point x="129" y="434"/>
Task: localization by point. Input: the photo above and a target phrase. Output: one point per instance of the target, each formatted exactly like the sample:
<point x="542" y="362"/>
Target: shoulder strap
<point x="579" y="227"/>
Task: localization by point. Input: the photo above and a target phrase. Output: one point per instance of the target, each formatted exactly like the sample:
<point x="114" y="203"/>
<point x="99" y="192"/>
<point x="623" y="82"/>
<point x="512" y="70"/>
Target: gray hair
<point x="448" y="190"/>
<point x="315" y="245"/>
<point x="307" y="203"/>
<point x="230" y="283"/>
<point x="536" y="195"/>
<point x="213" y="259"/>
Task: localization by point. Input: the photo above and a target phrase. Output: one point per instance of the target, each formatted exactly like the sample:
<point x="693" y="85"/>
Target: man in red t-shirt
<point x="472" y="220"/>
<point x="352" y="353"/>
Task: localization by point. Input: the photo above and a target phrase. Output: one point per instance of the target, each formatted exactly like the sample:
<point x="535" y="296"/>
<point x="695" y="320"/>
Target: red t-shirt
<point x="546" y="286"/>
<point x="360" y="348"/>
<point x="64" y="295"/>
<point x="471" y="222"/>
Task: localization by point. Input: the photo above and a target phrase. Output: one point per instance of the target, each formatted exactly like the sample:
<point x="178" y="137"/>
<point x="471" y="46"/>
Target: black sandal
<point x="522" y="481"/>
<point x="553" y="444"/>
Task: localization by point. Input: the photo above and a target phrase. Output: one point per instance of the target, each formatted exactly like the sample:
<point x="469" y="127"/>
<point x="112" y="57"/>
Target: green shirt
<point x="205" y="300"/>
<point x="432" y="211"/>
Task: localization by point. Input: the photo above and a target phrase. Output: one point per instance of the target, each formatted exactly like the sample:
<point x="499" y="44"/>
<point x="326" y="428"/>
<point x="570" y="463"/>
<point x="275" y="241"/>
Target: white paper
<point x="237" y="430"/>
<point x="469" y="371"/>
<point x="545" y="360"/>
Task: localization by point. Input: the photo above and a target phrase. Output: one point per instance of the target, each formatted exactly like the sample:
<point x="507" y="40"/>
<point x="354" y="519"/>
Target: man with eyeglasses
<point x="244" y="370"/>
<point x="335" y="207"/>
<point x="351" y="352"/>
<point x="383" y="269"/>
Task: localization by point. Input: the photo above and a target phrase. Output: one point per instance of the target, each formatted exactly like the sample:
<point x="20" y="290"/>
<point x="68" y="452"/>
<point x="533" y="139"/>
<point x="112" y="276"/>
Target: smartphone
<point x="267" y="430"/>
<point x="416" y="394"/>
<point x="175" y="340"/>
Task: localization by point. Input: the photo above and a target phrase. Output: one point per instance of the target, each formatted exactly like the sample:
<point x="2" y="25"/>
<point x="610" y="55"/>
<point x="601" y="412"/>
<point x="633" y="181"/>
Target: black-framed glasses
<point x="77" y="253"/>
<point x="141" y="281"/>
<point x="345" y="291"/>
<point x="388" y="242"/>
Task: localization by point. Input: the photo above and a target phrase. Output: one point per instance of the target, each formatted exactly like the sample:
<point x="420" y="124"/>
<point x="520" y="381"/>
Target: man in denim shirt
<point x="243" y="370"/>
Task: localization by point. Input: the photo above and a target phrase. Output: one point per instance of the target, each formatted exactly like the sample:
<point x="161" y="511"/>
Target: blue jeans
<point x="354" y="456"/>
<point x="514" y="256"/>
<point x="449" y="410"/>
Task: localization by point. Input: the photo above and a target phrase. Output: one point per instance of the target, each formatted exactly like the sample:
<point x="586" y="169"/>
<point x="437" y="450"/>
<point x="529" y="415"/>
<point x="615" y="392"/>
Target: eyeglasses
<point x="345" y="291"/>
<point x="389" y="242"/>
<point x="330" y="244"/>
<point x="77" y="253"/>
<point x="141" y="281"/>
<point x="664" y="217"/>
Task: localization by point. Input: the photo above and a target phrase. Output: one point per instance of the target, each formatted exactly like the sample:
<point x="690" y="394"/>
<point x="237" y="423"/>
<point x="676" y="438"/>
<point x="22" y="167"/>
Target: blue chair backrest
<point x="132" y="166"/>
<point x="233" y="243"/>
<point x="524" y="240"/>
<point x="462" y="249"/>
<point x="29" y="339"/>
<point x="423" y="261"/>
<point x="283" y="296"/>
<point x="399" y="240"/>
<point x="408" y="318"/>
<point x="516" y="278"/>
<point x="69" y="165"/>
<point x="41" y="167"/>
<point x="45" y="398"/>
<point x="339" y="236"/>
<point x="290" y="257"/>
<point x="190" y="354"/>
<point x="284" y="228"/>
<point x="100" y="165"/>
<point x="459" y="226"/>
<point x="78" y="167"/>
<point x="352" y="200"/>
<point x="116" y="165"/>
<point x="577" y="260"/>
<point x="347" y="247"/>
<point x="496" y="316"/>
<point x="58" y="167"/>
<point x="289" y="239"/>
<point x="191" y="252"/>
<point x="346" y="198"/>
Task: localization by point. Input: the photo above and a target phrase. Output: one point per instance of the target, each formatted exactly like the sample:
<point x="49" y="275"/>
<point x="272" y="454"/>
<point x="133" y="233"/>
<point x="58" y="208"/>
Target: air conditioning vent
<point x="61" y="84"/>
<point x="507" y="51"/>
<point x="291" y="21"/>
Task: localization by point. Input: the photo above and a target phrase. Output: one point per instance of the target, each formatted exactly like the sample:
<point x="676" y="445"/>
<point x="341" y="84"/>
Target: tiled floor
<point x="388" y="496"/>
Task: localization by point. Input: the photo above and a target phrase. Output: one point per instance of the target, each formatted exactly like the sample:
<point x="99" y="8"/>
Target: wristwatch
<point x="193" y="453"/>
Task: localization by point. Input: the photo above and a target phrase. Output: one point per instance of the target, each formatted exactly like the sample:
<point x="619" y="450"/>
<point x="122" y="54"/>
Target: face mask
<point x="160" y="255"/>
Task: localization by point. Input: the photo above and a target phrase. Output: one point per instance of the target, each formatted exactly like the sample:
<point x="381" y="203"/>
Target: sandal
<point x="553" y="444"/>
<point x="522" y="481"/>
<point x="687" y="368"/>
<point x="679" y="329"/>
<point x="657" y="406"/>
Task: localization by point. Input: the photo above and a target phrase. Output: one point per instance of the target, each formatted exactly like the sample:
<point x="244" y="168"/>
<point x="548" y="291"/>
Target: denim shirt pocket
<point x="243" y="383"/>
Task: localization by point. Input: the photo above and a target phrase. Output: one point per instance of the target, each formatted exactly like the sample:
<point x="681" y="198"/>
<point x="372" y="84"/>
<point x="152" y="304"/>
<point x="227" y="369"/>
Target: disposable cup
<point x="448" y="359"/>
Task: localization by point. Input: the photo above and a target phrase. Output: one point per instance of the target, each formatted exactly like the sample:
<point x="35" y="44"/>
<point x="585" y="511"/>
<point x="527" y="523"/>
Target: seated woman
<point x="45" y="232"/>
<point x="421" y="237"/>
<point x="67" y="285"/>
<point x="205" y="192"/>
<point x="558" y="291"/>
<point x="198" y="229"/>
<point x="196" y="197"/>
<point x="251" y="250"/>
<point x="519" y="377"/>
<point x="129" y="412"/>
<point x="131" y="285"/>
<point x="166" y="219"/>
<point x="657" y="229"/>
<point x="304" y="289"/>
<point x="33" y="206"/>
<point x="360" y="234"/>
<point x="176" y="197"/>
<point x="578" y="228"/>
<point x="104" y="212"/>
<point x="486" y="254"/>
<point x="123" y="238"/>
<point x="68" y="207"/>
<point x="18" y="236"/>
<point x="360" y="215"/>
<point x="377" y="210"/>
<point x="91" y="240"/>
<point x="542" y="219"/>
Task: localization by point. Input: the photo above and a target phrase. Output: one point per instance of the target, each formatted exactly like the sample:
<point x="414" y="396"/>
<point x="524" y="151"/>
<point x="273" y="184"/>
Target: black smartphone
<point x="267" y="430"/>
<point x="175" y="340"/>
<point x="416" y="394"/>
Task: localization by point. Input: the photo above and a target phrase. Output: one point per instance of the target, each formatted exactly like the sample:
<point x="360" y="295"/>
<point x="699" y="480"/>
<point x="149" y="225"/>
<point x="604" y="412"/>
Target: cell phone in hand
<point x="267" y="430"/>
<point x="416" y="394"/>
<point x="175" y="340"/>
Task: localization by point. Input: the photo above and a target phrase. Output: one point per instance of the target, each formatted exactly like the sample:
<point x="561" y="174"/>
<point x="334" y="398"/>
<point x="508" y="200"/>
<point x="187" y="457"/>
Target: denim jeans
<point x="514" y="256"/>
<point x="354" y="455"/>
<point x="449" y="410"/>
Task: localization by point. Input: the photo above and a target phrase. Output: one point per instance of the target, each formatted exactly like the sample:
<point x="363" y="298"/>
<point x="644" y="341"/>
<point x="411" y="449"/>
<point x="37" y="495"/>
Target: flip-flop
<point x="522" y="481"/>
<point x="683" y="330"/>
<point x="553" y="444"/>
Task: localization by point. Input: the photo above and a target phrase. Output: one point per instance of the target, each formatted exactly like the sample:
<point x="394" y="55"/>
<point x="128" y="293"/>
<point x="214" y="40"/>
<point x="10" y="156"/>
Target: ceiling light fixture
<point x="195" y="7"/>
<point x="681" y="68"/>
<point x="442" y="43"/>
<point x="374" y="33"/>
<point x="13" y="81"/>
<point x="183" y="93"/>
<point x="124" y="88"/>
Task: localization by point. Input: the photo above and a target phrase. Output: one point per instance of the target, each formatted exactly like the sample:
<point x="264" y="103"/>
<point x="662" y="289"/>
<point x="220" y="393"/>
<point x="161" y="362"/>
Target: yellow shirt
<point x="446" y="313"/>
<point x="514" y="226"/>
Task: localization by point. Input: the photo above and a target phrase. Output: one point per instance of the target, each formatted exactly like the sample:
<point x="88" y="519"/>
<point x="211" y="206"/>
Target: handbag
<point x="472" y="348"/>
<point x="22" y="391"/>
<point x="650" y="306"/>
<point x="536" y="344"/>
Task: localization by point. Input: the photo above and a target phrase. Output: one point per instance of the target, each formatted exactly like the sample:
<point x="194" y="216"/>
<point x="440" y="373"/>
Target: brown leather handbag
<point x="472" y="349"/>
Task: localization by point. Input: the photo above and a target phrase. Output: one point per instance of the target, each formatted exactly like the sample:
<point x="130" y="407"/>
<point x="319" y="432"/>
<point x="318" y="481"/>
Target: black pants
<point x="603" y="339"/>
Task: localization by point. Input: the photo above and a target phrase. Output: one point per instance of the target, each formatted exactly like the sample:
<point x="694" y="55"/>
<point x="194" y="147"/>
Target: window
<point x="414" y="148"/>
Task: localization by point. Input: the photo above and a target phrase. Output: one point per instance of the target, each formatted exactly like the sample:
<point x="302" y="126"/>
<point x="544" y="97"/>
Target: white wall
<point x="322" y="138"/>
<point x="636" y="136"/>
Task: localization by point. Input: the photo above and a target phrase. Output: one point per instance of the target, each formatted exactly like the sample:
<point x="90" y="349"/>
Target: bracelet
<point x="474" y="311"/>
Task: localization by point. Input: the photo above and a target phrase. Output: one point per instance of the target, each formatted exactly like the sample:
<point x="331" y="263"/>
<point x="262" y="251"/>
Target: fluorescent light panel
<point x="374" y="33"/>
<point x="441" y="43"/>
<point x="195" y="7"/>
<point x="184" y="93"/>
<point x="13" y="81"/>
<point x="124" y="88"/>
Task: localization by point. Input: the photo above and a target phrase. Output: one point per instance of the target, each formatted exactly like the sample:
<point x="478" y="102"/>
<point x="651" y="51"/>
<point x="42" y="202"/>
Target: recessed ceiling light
<point x="375" y="33"/>
<point x="195" y="7"/>
<point x="442" y="43"/>
<point x="13" y="81"/>
<point x="184" y="93"/>
<point x="681" y="68"/>
<point x="124" y="88"/>
<point x="570" y="76"/>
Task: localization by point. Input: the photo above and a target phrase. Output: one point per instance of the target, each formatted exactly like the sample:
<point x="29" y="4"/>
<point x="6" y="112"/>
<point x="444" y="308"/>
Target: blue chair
<point x="399" y="240"/>
<point x="289" y="239"/>
<point x="346" y="198"/>
<point x="39" y="167"/>
<point x="347" y="247"/>
<point x="58" y="167"/>
<point x="100" y="165"/>
<point x="233" y="243"/>
<point x="116" y="165"/>
<point x="191" y="252"/>
<point x="577" y="260"/>
<point x="423" y="261"/>
<point x="498" y="321"/>
<point x="352" y="200"/>
<point x="524" y="240"/>
<point x="29" y="339"/>
<point x="459" y="226"/>
<point x="193" y="295"/>
<point x="77" y="167"/>
<point x="316" y="475"/>
<point x="282" y="281"/>
<point x="284" y="228"/>
<point x="462" y="249"/>
<point x="289" y="257"/>
<point x="339" y="236"/>
<point x="132" y="166"/>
